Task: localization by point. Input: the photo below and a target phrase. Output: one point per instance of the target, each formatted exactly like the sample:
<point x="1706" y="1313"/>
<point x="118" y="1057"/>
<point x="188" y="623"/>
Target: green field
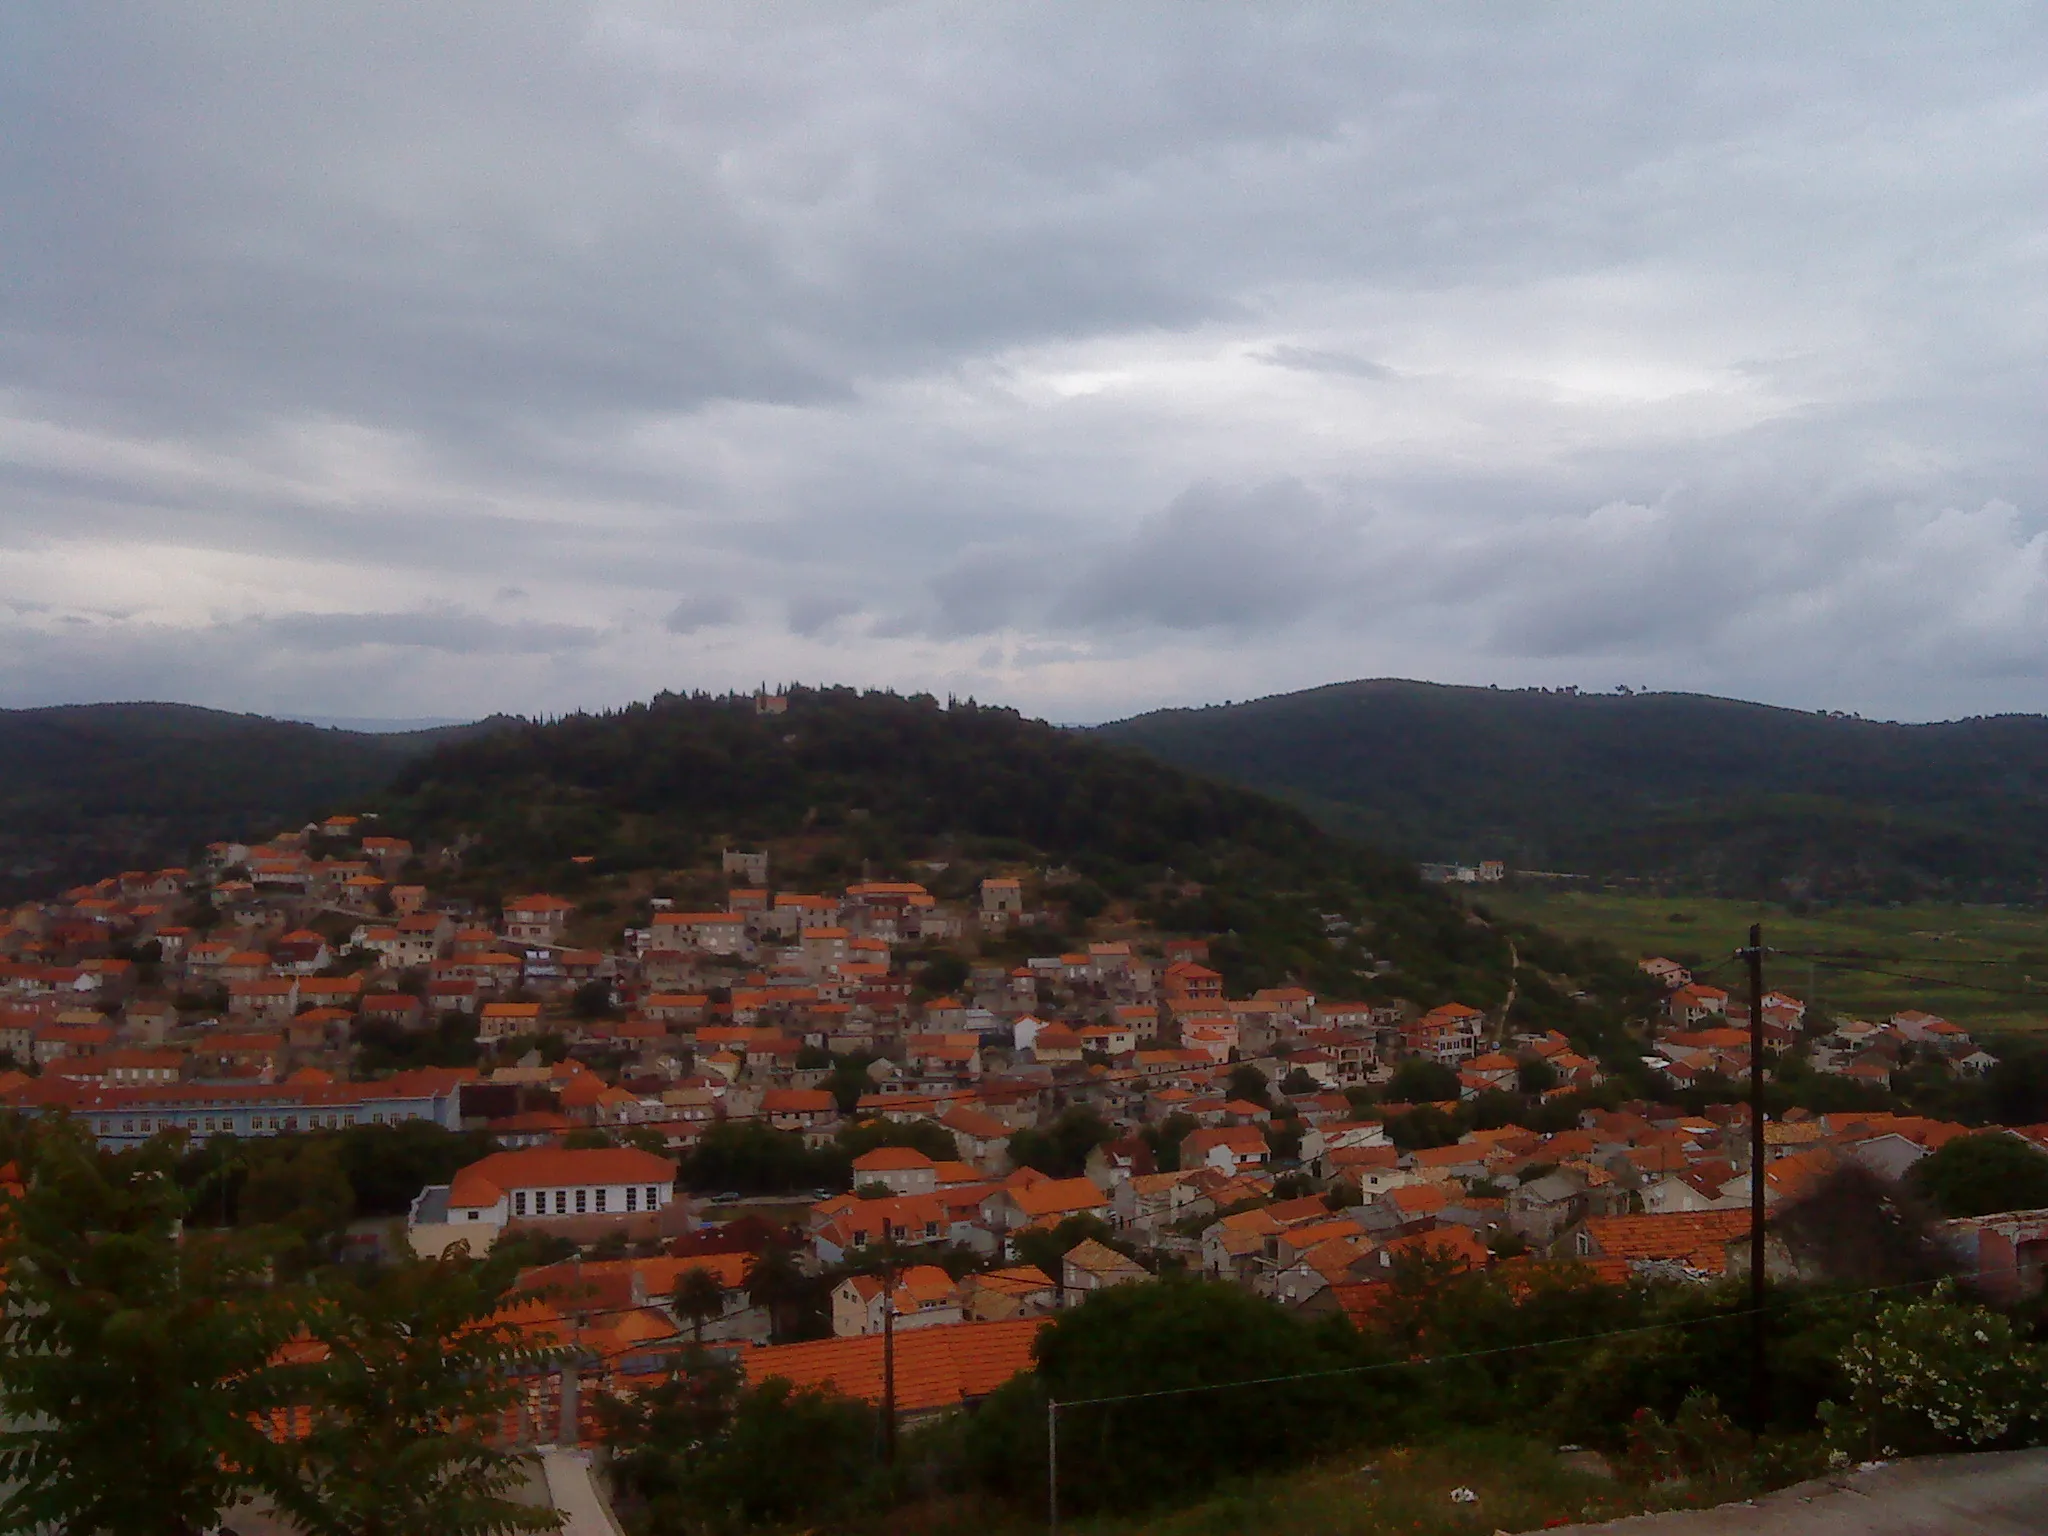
<point x="1984" y="967"/>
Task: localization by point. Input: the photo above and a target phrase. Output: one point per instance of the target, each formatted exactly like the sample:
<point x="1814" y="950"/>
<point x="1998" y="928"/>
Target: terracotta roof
<point x="539" y="904"/>
<point x="1101" y="1259"/>
<point x="1021" y="1280"/>
<point x="891" y="1160"/>
<point x="483" y="1182"/>
<point x="1460" y="1245"/>
<point x="1696" y="1238"/>
<point x="936" y="1368"/>
<point x="1417" y="1199"/>
<point x="1239" y="1138"/>
<point x="1058" y="1197"/>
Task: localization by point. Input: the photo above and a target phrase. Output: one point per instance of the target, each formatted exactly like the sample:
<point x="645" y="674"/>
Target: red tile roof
<point x="485" y="1181"/>
<point x="936" y="1368"/>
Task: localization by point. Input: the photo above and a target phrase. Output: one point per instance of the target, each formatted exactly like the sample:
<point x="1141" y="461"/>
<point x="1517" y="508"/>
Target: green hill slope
<point x="1705" y="793"/>
<point x="848" y="783"/>
<point x="88" y="789"/>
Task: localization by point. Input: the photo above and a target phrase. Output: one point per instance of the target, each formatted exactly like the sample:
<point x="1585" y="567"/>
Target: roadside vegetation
<point x="1984" y="967"/>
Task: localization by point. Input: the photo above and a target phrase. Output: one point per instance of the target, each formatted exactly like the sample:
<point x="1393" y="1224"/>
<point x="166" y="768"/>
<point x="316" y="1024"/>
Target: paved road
<point x="2002" y="1493"/>
<point x="573" y="1491"/>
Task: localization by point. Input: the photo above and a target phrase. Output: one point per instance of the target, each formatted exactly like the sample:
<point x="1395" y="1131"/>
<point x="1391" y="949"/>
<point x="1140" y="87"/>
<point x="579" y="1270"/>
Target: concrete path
<point x="572" y="1489"/>
<point x="2000" y="1493"/>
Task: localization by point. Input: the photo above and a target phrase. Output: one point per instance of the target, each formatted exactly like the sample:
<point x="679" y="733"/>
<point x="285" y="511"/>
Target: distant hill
<point x="89" y="789"/>
<point x="848" y="784"/>
<point x="1696" y="792"/>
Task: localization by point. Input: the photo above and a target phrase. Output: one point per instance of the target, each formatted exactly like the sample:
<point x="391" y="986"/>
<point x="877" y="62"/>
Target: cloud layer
<point x="427" y="361"/>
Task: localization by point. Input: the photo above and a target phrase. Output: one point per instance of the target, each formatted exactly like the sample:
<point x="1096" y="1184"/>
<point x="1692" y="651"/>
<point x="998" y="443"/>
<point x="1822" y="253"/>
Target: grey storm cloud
<point x="435" y="629"/>
<point x="1323" y="360"/>
<point x="1216" y="559"/>
<point x="709" y="610"/>
<point x="813" y="613"/>
<point x="1084" y="358"/>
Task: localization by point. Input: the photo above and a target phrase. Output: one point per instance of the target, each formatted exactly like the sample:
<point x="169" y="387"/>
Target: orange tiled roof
<point x="1697" y="1238"/>
<point x="936" y="1368"/>
<point x="485" y="1181"/>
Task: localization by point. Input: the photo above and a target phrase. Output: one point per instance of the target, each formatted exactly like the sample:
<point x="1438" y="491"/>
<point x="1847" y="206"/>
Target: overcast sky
<point x="429" y="360"/>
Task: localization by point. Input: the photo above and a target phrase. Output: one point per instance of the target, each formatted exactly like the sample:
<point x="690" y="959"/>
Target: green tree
<point x="302" y="1187"/>
<point x="1423" y="1126"/>
<point x="1497" y="1107"/>
<point x="662" y="1433"/>
<point x="754" y="1158"/>
<point x="1168" y="1337"/>
<point x="776" y="1427"/>
<point x="1247" y="1082"/>
<point x="698" y="1297"/>
<point x="1535" y="1076"/>
<point x="698" y="1450"/>
<point x="849" y="1080"/>
<point x="1419" y="1080"/>
<point x="944" y="973"/>
<point x="1043" y="1248"/>
<point x="134" y="1365"/>
<point x="388" y="1164"/>
<point x="775" y="1280"/>
<point x="1165" y="1139"/>
<point x="1283" y="1139"/>
<point x="1061" y="1149"/>
<point x="1991" y="1171"/>
<point x="1299" y="1081"/>
<point x="417" y="1361"/>
<point x="593" y="1000"/>
<point x="2018" y="1087"/>
<point x="926" y="1136"/>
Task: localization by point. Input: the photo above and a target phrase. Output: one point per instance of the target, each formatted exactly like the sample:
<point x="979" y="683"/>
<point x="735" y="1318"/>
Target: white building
<point x="541" y="1186"/>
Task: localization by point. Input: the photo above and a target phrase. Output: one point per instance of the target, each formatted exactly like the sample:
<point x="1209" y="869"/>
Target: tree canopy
<point x="1991" y="1171"/>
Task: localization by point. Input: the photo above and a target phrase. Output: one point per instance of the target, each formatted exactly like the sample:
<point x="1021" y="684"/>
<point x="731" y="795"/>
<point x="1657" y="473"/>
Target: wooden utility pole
<point x="889" y="1363"/>
<point x="1052" y="1467"/>
<point x="1759" y="1388"/>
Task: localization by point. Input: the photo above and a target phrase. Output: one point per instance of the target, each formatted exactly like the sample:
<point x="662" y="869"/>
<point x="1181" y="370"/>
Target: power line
<point x="1054" y="1407"/>
<point x="1849" y="963"/>
<point x="1508" y="1349"/>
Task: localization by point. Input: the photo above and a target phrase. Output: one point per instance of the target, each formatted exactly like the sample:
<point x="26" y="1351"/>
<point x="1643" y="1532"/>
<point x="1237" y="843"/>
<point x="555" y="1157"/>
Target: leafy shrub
<point x="1939" y="1375"/>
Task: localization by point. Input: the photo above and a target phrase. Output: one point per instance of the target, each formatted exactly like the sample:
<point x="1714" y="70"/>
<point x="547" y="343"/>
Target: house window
<point x="600" y="1198"/>
<point x="519" y="1202"/>
<point x="651" y="1201"/>
<point x="561" y="1202"/>
<point x="579" y="1202"/>
<point x="632" y="1197"/>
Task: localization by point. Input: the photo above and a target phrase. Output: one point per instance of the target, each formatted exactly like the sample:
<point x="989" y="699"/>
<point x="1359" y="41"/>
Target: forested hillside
<point x="1700" y="793"/>
<point x="850" y="784"/>
<point x="85" y="789"/>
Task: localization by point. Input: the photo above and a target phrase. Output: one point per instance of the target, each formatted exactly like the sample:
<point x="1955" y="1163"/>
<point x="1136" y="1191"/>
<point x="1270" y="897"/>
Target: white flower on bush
<point x="1936" y="1374"/>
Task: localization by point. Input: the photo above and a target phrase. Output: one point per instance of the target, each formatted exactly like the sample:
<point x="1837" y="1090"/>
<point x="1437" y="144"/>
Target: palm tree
<point x="774" y="1280"/>
<point x="698" y="1296"/>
